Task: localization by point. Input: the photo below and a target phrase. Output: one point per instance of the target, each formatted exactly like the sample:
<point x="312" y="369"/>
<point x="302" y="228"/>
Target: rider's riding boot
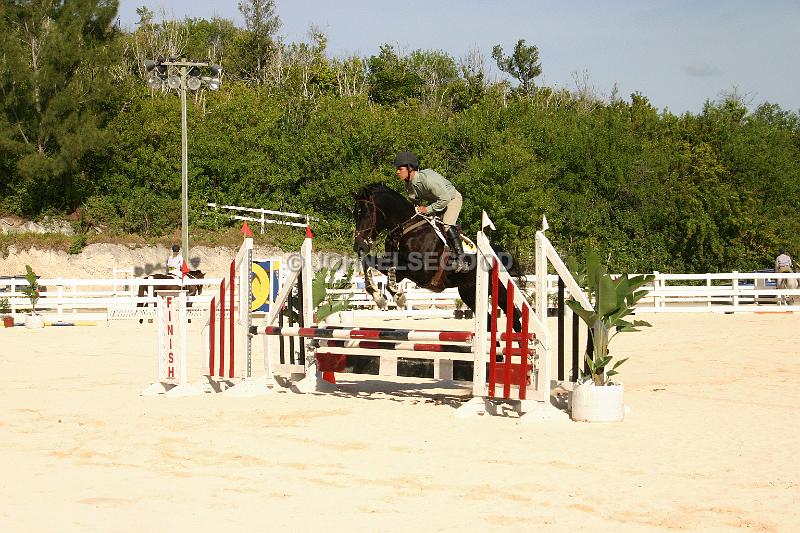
<point x="454" y="241"/>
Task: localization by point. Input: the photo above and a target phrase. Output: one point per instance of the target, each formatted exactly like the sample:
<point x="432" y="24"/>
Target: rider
<point x="443" y="198"/>
<point x="175" y="262"/>
<point x="783" y="263"/>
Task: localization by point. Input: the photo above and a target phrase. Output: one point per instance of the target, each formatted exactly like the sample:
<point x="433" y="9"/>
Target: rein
<point x="374" y="222"/>
<point x="395" y="232"/>
<point x="372" y="228"/>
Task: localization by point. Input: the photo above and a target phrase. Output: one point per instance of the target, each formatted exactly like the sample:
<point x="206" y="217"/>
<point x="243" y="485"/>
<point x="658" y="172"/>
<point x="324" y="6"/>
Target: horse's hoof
<point x="400" y="300"/>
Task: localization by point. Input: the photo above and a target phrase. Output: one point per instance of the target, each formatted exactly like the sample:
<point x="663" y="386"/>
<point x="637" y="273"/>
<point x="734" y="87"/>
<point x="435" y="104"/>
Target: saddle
<point x="436" y="223"/>
<point x="438" y="227"/>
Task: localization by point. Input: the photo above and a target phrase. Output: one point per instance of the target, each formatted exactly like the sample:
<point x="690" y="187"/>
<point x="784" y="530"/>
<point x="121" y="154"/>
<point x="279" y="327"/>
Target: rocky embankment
<point x="99" y="261"/>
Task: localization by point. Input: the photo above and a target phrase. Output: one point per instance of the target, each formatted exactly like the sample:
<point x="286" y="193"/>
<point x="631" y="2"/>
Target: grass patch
<point x="42" y="241"/>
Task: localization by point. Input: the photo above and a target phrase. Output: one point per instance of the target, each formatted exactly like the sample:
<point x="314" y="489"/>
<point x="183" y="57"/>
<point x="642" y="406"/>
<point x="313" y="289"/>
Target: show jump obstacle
<point x="229" y="307"/>
<point x="509" y="367"/>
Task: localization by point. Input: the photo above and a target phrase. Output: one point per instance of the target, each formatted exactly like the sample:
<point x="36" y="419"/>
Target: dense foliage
<point x="295" y="129"/>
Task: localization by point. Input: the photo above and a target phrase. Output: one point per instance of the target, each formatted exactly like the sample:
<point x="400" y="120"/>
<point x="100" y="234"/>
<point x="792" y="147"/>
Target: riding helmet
<point x="406" y="159"/>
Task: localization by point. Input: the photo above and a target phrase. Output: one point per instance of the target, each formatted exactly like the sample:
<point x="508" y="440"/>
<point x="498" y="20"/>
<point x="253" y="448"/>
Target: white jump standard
<point x="172" y="325"/>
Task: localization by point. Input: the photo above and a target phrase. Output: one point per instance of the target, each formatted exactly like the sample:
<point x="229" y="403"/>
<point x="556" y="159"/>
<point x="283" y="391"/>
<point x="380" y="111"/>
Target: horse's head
<point x="377" y="208"/>
<point x="365" y="214"/>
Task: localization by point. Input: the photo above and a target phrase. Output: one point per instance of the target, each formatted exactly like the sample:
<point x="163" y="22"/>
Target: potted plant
<point x="326" y="304"/>
<point x="34" y="319"/>
<point x="595" y="397"/>
<point x="5" y="313"/>
<point x="459" y="303"/>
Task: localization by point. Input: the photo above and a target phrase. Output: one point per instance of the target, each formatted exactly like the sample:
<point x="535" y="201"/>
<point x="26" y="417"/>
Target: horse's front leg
<point x="394" y="289"/>
<point x="369" y="283"/>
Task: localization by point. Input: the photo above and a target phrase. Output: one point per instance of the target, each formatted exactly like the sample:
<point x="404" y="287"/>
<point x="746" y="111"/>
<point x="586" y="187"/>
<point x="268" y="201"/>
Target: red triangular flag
<point x="309" y="235"/>
<point x="246" y="230"/>
<point x="184" y="270"/>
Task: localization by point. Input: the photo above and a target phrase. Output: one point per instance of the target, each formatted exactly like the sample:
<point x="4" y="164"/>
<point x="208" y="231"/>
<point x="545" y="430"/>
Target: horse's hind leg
<point x="467" y="295"/>
<point x="502" y="303"/>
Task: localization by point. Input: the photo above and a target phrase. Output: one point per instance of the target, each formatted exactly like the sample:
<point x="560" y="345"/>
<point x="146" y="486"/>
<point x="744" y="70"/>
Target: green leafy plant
<point x="5" y="307"/>
<point x="32" y="289"/>
<point x="78" y="244"/>
<point x="326" y="304"/>
<point x="613" y="299"/>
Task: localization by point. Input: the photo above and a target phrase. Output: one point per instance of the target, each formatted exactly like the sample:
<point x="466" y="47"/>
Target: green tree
<point x="523" y="65"/>
<point x="58" y="91"/>
<point x="437" y="73"/>
<point x="257" y="47"/>
<point x="391" y="78"/>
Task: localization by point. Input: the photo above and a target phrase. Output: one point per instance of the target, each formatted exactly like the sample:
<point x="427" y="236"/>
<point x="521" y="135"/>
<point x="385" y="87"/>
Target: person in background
<point x="783" y="263"/>
<point x="442" y="197"/>
<point x="175" y="262"/>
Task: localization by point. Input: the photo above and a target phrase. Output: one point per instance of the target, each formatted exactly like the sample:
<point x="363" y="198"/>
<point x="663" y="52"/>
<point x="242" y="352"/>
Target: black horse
<point x="415" y="249"/>
<point x="191" y="290"/>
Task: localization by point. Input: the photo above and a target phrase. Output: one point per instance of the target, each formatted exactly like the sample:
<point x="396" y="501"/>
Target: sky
<point x="677" y="53"/>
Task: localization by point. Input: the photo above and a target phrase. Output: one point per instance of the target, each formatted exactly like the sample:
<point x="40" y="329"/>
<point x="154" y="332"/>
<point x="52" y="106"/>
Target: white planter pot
<point x="34" y="321"/>
<point x="590" y="403"/>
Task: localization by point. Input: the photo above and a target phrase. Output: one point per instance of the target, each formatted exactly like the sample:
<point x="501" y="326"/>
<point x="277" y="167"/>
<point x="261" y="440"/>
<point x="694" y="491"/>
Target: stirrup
<point x="459" y="265"/>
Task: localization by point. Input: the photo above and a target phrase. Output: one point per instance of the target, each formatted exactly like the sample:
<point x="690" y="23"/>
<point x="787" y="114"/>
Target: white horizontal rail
<point x="262" y="211"/>
<point x="86" y="282"/>
<point x="85" y="297"/>
<point x="710" y="292"/>
<point x="262" y="220"/>
<point x="269" y="221"/>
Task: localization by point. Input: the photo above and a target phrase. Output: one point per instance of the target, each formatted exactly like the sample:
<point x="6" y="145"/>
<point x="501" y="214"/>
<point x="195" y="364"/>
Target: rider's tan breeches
<point x="450" y="215"/>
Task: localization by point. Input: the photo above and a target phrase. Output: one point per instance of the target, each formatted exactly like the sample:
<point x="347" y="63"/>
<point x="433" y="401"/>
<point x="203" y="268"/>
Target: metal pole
<point x="184" y="171"/>
<point x="183" y="67"/>
<point x="560" y="344"/>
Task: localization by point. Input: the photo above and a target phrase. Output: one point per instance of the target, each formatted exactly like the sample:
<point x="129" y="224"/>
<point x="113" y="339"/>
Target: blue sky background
<point x="678" y="53"/>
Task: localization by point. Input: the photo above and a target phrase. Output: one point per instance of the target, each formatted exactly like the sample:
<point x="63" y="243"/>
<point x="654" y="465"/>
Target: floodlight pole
<point x="184" y="171"/>
<point x="155" y="80"/>
<point x="183" y="65"/>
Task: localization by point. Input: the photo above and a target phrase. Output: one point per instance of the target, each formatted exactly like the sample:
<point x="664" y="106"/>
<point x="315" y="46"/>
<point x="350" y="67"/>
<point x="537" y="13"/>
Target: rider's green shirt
<point x="432" y="187"/>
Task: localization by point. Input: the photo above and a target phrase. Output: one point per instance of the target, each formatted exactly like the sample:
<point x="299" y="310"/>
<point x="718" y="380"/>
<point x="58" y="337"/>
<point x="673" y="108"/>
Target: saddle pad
<point x="469" y="246"/>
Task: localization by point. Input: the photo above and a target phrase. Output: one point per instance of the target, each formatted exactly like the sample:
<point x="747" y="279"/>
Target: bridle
<point x="373" y="228"/>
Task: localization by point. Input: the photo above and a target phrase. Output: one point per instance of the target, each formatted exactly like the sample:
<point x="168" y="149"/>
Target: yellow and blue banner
<point x="265" y="281"/>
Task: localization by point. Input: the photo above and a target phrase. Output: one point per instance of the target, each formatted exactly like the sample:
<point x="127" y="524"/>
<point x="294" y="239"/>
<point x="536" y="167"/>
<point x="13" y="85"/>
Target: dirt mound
<point x="98" y="261"/>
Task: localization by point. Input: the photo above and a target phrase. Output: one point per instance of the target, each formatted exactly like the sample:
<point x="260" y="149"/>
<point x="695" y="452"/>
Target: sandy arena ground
<point x="710" y="444"/>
